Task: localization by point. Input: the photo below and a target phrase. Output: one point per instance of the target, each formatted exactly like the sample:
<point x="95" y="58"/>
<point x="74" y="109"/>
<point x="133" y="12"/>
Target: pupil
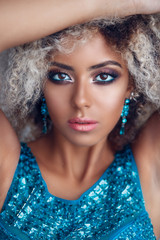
<point x="61" y="76"/>
<point x="103" y="76"/>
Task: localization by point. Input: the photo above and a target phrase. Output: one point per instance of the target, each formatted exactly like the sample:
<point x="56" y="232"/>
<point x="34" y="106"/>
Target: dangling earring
<point x="44" y="112"/>
<point x="124" y="114"/>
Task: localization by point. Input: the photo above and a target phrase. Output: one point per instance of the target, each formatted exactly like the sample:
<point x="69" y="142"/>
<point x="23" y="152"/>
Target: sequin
<point x="113" y="208"/>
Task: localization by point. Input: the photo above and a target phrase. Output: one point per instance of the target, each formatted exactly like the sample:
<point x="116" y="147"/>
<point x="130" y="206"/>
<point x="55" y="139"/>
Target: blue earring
<point x="124" y="114"/>
<point x="45" y="114"/>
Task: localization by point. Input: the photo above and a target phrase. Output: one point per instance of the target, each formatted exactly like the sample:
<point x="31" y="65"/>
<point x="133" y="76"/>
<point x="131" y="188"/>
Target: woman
<point x="76" y="157"/>
<point x="72" y="182"/>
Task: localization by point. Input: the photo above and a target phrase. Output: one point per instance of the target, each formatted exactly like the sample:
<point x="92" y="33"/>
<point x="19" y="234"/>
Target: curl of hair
<point x="137" y="38"/>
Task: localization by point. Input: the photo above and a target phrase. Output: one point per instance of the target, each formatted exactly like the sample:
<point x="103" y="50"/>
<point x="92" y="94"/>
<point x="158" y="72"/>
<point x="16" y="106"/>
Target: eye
<point x="104" y="78"/>
<point x="59" y="77"/>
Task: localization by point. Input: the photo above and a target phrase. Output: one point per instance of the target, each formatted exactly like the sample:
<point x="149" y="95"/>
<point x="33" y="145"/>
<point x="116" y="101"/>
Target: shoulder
<point x="8" y="138"/>
<point x="147" y="144"/>
<point x="146" y="147"/>
<point x="146" y="150"/>
<point x="9" y="155"/>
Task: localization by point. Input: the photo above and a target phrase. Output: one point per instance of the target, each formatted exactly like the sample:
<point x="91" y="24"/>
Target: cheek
<point x="111" y="104"/>
<point x="112" y="100"/>
<point x="56" y="102"/>
<point x="112" y="111"/>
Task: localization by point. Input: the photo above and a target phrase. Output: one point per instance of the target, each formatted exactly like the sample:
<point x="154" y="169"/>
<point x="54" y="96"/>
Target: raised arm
<point x="8" y="139"/>
<point x="9" y="155"/>
<point x="27" y="20"/>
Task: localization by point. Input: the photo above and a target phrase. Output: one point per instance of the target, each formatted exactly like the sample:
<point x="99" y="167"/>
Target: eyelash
<point x="51" y="75"/>
<point x="111" y="74"/>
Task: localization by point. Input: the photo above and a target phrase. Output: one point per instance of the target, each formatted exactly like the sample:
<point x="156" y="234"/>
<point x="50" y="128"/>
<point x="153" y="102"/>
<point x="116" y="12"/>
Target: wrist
<point x="111" y="8"/>
<point x="125" y="8"/>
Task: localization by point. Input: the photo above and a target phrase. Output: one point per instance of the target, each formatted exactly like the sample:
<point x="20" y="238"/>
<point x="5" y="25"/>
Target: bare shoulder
<point x="148" y="140"/>
<point x="146" y="147"/>
<point x="146" y="150"/>
<point x="9" y="155"/>
<point x="8" y="138"/>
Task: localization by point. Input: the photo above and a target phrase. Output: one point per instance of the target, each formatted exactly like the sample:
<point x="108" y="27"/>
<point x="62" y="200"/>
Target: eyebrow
<point x="106" y="63"/>
<point x="70" y="68"/>
<point x="61" y="65"/>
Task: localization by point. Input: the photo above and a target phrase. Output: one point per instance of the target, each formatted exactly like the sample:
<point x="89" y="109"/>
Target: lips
<point x="82" y="124"/>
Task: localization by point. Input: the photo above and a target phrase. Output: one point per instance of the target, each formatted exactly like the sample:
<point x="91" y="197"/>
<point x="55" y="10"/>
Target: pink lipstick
<point x="82" y="124"/>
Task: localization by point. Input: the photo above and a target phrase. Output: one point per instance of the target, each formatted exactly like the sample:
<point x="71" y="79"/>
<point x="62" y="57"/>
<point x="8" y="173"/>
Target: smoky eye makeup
<point x="105" y="76"/>
<point x="99" y="77"/>
<point x="59" y="77"/>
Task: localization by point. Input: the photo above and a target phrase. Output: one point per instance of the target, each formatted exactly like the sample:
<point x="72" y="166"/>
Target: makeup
<point x="82" y="124"/>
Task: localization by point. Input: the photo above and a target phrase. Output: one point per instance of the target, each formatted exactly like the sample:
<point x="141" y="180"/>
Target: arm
<point x="9" y="155"/>
<point x="146" y="151"/>
<point x="27" y="20"/>
<point x="8" y="139"/>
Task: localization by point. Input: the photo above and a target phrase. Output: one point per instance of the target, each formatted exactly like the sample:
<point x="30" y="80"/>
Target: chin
<point x="84" y="142"/>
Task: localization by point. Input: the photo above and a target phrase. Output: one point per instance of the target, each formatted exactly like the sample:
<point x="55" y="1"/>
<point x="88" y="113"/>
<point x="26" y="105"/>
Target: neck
<point x="78" y="162"/>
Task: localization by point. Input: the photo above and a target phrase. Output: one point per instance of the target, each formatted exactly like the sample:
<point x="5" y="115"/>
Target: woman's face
<point x="85" y="92"/>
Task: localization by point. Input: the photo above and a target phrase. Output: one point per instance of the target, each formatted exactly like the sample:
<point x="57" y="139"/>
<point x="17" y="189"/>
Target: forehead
<point x="94" y="49"/>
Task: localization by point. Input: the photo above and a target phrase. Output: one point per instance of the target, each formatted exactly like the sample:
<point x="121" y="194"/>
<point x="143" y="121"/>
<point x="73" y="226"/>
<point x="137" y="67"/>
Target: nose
<point x="81" y="97"/>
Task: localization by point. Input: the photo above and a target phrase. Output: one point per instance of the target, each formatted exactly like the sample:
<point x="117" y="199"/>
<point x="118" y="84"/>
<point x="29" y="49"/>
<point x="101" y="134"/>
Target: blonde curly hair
<point x="137" y="38"/>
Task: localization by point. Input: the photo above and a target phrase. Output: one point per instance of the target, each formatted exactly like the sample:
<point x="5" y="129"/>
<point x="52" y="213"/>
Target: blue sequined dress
<point x="113" y="208"/>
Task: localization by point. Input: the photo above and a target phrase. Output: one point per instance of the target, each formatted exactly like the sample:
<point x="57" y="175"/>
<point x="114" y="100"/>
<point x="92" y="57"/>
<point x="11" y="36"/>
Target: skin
<point x="9" y="155"/>
<point x="17" y="25"/>
<point x="146" y="150"/>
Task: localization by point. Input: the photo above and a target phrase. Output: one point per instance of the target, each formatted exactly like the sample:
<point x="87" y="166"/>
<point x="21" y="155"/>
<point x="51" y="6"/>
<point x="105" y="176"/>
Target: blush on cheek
<point x="114" y="109"/>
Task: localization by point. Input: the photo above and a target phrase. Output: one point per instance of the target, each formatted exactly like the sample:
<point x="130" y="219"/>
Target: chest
<point x="112" y="207"/>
